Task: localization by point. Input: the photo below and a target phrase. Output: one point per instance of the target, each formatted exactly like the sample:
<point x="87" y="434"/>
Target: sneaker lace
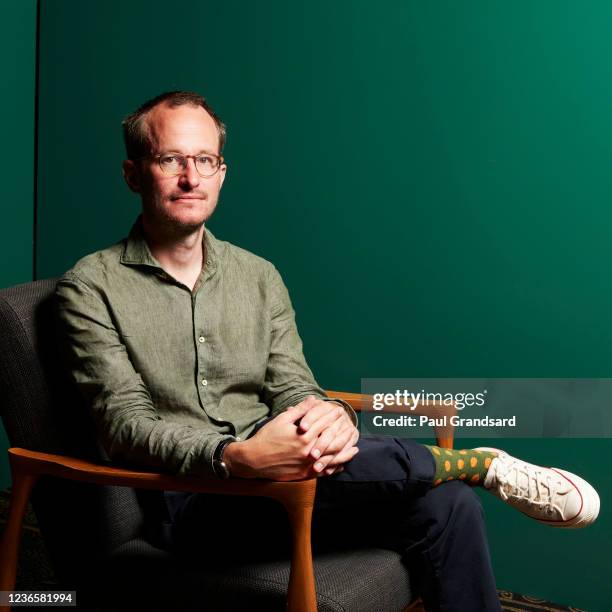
<point x="530" y="484"/>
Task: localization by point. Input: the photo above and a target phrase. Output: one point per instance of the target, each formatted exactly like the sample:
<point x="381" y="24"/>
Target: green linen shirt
<point x="169" y="372"/>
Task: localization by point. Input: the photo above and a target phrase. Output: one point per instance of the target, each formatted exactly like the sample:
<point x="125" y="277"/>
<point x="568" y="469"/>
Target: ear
<point x="222" y="172"/>
<point x="132" y="176"/>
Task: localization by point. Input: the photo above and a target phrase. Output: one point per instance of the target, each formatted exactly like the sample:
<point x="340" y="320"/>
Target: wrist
<point x="236" y="459"/>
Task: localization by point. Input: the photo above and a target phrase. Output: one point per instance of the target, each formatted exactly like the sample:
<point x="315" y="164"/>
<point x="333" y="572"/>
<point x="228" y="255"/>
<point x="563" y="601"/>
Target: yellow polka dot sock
<point x="468" y="465"/>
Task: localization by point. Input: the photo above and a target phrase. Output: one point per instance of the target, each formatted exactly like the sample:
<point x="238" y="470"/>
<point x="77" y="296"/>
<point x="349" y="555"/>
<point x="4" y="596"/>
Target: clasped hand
<point x="314" y="438"/>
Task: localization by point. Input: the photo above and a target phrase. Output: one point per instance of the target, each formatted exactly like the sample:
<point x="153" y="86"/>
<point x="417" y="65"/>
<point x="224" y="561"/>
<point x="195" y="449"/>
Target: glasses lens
<point x="171" y="163"/>
<point x="207" y="165"/>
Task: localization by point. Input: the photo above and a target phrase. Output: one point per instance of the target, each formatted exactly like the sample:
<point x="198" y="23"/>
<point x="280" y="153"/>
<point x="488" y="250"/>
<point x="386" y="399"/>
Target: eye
<point x="206" y="160"/>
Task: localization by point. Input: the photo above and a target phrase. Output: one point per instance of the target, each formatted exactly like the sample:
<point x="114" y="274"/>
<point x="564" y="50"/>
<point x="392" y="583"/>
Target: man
<point x="186" y="349"/>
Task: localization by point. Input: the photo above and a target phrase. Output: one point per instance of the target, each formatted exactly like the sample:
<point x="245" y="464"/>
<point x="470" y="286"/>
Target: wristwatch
<point x="219" y="466"/>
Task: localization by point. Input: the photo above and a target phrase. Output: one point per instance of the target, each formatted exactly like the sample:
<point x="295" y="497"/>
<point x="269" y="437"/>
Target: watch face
<point x="221" y="469"/>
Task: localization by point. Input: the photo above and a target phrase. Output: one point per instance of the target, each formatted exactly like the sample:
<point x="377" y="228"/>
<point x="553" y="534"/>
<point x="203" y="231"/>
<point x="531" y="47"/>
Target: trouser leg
<point x="443" y="539"/>
<point x="440" y="531"/>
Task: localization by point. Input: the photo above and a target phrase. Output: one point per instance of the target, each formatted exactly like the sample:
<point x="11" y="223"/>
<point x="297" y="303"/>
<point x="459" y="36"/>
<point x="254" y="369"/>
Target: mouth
<point x="174" y="198"/>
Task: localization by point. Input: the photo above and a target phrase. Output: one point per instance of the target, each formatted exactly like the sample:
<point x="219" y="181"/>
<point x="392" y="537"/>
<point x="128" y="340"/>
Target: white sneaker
<point x="548" y="495"/>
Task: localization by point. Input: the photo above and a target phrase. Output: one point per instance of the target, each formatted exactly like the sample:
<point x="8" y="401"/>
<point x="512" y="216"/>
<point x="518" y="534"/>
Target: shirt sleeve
<point x="288" y="379"/>
<point x="128" y="425"/>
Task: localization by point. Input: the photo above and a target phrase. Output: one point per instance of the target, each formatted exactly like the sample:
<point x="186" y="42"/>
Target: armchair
<point x="91" y="514"/>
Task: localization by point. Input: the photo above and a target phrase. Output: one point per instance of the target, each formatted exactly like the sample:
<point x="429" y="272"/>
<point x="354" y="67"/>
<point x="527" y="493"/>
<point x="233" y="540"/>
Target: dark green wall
<point x="17" y="48"/>
<point x="432" y="179"/>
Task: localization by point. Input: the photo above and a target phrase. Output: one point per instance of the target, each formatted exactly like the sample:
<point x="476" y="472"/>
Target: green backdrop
<point x="18" y="73"/>
<point x="432" y="179"/>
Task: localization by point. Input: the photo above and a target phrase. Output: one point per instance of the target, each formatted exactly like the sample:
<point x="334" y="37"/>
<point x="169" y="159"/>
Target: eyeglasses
<point x="172" y="164"/>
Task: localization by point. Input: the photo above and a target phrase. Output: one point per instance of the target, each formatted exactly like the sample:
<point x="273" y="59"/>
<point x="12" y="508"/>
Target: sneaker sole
<point x="590" y="503"/>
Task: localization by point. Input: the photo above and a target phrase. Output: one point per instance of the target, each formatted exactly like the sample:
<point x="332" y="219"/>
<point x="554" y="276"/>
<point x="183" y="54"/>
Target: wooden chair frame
<point x="297" y="497"/>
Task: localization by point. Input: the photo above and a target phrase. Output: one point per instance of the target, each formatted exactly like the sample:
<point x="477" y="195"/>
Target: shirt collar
<point x="136" y="251"/>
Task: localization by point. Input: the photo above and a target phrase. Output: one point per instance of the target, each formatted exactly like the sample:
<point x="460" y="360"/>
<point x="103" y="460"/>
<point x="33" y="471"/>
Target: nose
<point x="190" y="178"/>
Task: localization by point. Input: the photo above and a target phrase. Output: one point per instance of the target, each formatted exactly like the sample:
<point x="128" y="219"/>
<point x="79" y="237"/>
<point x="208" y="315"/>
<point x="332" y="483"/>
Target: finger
<point x="333" y="470"/>
<point x="352" y="443"/>
<point x="316" y="428"/>
<point x="332" y="460"/>
<point x="331" y="437"/>
<point x="328" y="461"/>
<point x="322" y="410"/>
<point x="344" y="456"/>
<point x="293" y="413"/>
<point x="327" y="472"/>
<point x="318" y="409"/>
<point x="347" y="435"/>
<point x="343" y="418"/>
<point x="332" y="440"/>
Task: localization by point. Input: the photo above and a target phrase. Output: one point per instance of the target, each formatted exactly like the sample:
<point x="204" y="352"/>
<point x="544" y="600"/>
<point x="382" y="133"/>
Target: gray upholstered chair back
<point x="41" y="410"/>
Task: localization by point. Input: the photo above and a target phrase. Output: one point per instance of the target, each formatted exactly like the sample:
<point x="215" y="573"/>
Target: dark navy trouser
<point x="382" y="498"/>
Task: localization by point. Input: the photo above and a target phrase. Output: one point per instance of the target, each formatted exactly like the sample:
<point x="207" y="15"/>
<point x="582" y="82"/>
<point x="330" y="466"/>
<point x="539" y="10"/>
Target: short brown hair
<point x="135" y="133"/>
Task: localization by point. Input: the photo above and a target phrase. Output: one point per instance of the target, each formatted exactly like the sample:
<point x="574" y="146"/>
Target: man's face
<point x="185" y="201"/>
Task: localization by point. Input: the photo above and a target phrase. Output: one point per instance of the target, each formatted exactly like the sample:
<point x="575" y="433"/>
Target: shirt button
<point x="204" y="382"/>
<point x="201" y="339"/>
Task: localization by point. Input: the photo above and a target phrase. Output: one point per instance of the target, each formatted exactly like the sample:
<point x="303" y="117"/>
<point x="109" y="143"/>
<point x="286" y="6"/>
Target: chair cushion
<point x="359" y="580"/>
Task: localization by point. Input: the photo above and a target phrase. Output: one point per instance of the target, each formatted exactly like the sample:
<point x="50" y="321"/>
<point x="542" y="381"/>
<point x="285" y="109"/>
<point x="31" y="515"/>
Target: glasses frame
<point x="220" y="161"/>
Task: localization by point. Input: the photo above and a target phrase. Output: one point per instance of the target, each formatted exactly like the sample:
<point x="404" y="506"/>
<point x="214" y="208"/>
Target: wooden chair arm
<point x="73" y="468"/>
<point x="297" y="497"/>
<point x="444" y="433"/>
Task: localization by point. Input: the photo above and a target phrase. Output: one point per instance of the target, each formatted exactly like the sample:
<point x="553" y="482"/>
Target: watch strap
<point x="219" y="466"/>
